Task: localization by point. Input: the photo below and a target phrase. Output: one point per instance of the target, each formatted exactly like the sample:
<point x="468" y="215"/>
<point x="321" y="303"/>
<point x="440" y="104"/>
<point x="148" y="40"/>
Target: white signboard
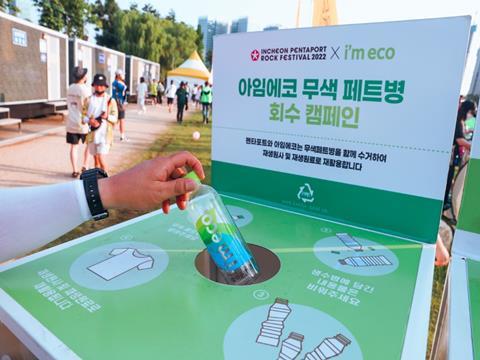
<point x="387" y="91"/>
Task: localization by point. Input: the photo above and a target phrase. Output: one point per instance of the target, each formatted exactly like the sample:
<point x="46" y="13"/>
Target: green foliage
<point x="199" y="41"/>
<point x="51" y="14"/>
<point x="140" y="32"/>
<point x="69" y="16"/>
<point x="107" y="14"/>
<point x="209" y="58"/>
<point x="149" y="9"/>
<point x="8" y="5"/>
<point x="145" y="34"/>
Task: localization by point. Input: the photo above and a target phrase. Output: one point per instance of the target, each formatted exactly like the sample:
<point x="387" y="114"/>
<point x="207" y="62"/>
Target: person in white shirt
<point x="101" y="113"/>
<point x="56" y="209"/>
<point x="77" y="131"/>
<point x="142" y="94"/>
<point x="170" y="93"/>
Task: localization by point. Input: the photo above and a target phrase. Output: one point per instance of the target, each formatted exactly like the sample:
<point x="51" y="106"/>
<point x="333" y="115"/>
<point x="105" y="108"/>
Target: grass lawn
<point x="178" y="138"/>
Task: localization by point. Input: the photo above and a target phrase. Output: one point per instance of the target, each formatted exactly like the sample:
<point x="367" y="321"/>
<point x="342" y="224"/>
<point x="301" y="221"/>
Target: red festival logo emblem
<point x="255" y="55"/>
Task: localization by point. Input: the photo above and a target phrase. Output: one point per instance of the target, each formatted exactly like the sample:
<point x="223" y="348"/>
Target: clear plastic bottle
<point x="221" y="236"/>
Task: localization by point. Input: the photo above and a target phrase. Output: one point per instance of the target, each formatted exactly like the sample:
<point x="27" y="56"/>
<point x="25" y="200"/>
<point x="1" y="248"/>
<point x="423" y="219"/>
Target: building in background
<point x="219" y="28"/>
<point x="475" y="82"/>
<point x="239" y="25"/>
<point x="28" y="11"/>
<point x="203" y="23"/>
<point x="471" y="79"/>
<point x="271" y="27"/>
<point x="211" y="28"/>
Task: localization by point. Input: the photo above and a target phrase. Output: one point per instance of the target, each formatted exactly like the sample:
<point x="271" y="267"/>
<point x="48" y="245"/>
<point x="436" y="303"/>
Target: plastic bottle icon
<point x="329" y="348"/>
<point x="365" y="261"/>
<point x="272" y="328"/>
<point x="291" y="347"/>
<point x="221" y="236"/>
<point x="349" y="241"/>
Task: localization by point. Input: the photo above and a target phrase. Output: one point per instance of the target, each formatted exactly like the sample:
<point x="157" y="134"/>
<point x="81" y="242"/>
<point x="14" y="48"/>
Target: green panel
<point x="474" y="288"/>
<point x="394" y="213"/>
<point x="181" y="315"/>
<point x="469" y="218"/>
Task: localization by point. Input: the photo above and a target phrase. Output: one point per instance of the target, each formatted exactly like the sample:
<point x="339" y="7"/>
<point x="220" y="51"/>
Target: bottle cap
<point x="192" y="175"/>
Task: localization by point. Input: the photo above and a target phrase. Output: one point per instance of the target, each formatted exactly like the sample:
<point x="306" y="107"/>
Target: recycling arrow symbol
<point x="305" y="193"/>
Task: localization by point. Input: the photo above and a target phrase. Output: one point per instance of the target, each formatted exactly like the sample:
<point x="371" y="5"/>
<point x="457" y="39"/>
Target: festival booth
<point x="33" y="67"/>
<point x="97" y="59"/>
<point x="320" y="154"/>
<point x="464" y="281"/>
<point x="192" y="71"/>
<point x="135" y="69"/>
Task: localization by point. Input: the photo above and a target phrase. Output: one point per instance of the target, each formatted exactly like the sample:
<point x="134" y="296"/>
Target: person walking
<point x="160" y="91"/>
<point x="171" y="92"/>
<point x="142" y="94"/>
<point x="206" y="101"/>
<point x="195" y="93"/>
<point x="101" y="114"/>
<point x="77" y="94"/>
<point x="152" y="91"/>
<point x="119" y="93"/>
<point x="187" y="89"/>
<point x="181" y="101"/>
<point x="198" y="105"/>
<point x="466" y="110"/>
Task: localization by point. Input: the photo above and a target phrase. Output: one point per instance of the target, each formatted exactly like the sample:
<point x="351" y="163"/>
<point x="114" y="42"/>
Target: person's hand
<point x="442" y="257"/>
<point x="94" y="123"/>
<point x="152" y="183"/>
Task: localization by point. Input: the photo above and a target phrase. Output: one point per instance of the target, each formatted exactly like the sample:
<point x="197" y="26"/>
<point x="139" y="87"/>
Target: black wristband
<point x="92" y="194"/>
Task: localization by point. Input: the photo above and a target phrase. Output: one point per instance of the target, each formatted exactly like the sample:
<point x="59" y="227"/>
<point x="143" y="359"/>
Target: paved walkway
<point x="46" y="160"/>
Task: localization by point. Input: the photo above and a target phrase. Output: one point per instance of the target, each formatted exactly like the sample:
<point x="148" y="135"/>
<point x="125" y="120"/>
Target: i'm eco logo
<point x="305" y="193"/>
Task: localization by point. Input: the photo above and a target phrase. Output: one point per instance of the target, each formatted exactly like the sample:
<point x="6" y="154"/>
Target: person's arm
<point x="34" y="216"/>
<point x="463" y="142"/>
<point x="113" y="112"/>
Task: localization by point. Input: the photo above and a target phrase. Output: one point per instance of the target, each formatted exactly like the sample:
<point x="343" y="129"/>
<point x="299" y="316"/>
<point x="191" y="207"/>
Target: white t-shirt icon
<point x="122" y="261"/>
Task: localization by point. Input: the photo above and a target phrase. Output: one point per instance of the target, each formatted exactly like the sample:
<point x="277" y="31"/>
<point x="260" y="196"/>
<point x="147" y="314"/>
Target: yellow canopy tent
<point x="192" y="71"/>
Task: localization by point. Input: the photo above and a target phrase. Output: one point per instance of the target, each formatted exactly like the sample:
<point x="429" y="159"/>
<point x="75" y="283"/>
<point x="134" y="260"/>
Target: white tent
<point x="192" y="71"/>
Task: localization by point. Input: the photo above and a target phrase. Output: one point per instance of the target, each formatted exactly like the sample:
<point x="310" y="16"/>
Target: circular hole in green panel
<point x="268" y="263"/>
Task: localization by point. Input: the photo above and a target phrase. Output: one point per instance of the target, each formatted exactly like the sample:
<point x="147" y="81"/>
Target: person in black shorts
<point x="119" y="93"/>
<point x="77" y="131"/>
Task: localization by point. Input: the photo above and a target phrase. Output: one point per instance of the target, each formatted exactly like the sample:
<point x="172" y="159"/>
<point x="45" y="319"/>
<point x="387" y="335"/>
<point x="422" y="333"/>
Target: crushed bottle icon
<point x="329" y="348"/>
<point x="271" y="329"/>
<point x="291" y="347"/>
<point x="366" y="261"/>
<point x="349" y="241"/>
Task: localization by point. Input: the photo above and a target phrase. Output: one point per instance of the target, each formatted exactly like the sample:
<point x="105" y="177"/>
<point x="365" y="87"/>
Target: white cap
<point x="119" y="72"/>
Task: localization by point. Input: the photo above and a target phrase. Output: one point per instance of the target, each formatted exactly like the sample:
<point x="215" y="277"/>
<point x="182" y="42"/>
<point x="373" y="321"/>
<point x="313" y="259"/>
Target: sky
<point x="262" y="13"/>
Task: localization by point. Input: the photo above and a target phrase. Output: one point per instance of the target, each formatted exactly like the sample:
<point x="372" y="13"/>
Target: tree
<point x="199" y="41"/>
<point x="8" y="5"/>
<point x="171" y="16"/>
<point x="69" y="16"/>
<point x="209" y="57"/>
<point x="51" y="14"/>
<point x="108" y="14"/>
<point x="77" y="15"/>
<point x="149" y="9"/>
